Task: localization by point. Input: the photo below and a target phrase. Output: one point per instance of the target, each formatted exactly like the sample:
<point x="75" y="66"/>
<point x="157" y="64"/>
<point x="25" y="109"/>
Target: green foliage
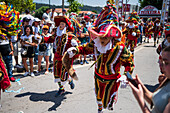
<point x="21" y="5"/>
<point x="94" y="11"/>
<point x="156" y="3"/>
<point x="39" y="12"/>
<point x="74" y="6"/>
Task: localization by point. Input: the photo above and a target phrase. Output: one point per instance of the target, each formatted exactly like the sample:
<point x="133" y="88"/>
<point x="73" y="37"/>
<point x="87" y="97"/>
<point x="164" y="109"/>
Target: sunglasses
<point x="45" y="29"/>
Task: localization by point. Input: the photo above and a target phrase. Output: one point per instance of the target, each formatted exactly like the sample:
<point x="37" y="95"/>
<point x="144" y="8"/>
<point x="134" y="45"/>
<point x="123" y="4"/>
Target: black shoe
<point x="72" y="84"/>
<point x="59" y="93"/>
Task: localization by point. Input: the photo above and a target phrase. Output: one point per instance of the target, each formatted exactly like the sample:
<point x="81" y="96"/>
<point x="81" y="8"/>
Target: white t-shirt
<point x="29" y="17"/>
<point x="28" y="39"/>
<point x="13" y="38"/>
<point x="54" y="14"/>
<point x="36" y="29"/>
<point x="46" y="16"/>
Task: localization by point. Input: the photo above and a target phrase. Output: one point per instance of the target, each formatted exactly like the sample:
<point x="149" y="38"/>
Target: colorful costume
<point x="148" y="27"/>
<point x="9" y="26"/>
<point x="63" y="40"/>
<point x="132" y="32"/>
<point x="108" y="58"/>
<point x="156" y="29"/>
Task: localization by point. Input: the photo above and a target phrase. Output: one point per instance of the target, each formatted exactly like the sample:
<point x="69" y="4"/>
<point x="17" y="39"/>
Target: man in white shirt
<point x="46" y="15"/>
<point x="29" y="16"/>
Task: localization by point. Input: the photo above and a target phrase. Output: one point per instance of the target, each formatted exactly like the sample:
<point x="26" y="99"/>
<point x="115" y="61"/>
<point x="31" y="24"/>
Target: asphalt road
<point x="38" y="93"/>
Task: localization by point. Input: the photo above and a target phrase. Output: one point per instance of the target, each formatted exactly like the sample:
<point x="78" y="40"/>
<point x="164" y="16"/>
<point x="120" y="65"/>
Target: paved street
<point x="38" y="93"/>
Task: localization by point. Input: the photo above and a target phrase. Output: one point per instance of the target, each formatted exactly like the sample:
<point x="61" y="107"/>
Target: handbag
<point x="42" y="47"/>
<point x="24" y="51"/>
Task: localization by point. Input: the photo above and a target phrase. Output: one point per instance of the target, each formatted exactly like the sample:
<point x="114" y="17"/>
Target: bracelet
<point x="12" y="50"/>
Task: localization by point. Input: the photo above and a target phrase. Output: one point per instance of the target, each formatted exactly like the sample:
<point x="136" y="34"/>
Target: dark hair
<point x="47" y="9"/>
<point x="53" y="9"/>
<point x="167" y="49"/>
<point x="31" y="31"/>
<point x="27" y="11"/>
<point x="168" y="35"/>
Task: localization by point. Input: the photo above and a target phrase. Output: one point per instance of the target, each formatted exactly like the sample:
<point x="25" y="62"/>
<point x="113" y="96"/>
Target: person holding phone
<point x="161" y="97"/>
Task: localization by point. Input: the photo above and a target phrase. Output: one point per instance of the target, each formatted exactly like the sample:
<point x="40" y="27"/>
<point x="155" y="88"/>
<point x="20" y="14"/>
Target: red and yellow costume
<point x="132" y="32"/>
<point x="107" y="69"/>
<point x="108" y="58"/>
<point x="132" y="40"/>
<point x="63" y="43"/>
<point x="156" y="30"/>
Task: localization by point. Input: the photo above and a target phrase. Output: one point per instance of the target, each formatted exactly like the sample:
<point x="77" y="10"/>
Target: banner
<point x="149" y="10"/>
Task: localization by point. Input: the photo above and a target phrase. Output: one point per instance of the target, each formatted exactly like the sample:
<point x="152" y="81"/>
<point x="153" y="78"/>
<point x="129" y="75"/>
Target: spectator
<point x="36" y="30"/>
<point x="36" y="26"/>
<point x="51" y="25"/>
<point x="46" y="15"/>
<point x="25" y="23"/>
<point x="83" y="40"/>
<point x="29" y="16"/>
<point x="27" y="49"/>
<point x="53" y="14"/>
<point x="87" y="19"/>
<point x="14" y="40"/>
<point x="64" y="12"/>
<point x="44" y="50"/>
<point x="160" y="98"/>
<point x="6" y="49"/>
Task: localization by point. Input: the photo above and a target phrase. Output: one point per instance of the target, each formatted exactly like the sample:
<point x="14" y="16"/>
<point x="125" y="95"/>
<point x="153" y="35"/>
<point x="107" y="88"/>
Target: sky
<point x="100" y="3"/>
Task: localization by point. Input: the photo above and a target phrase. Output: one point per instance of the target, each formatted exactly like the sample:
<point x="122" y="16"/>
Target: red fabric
<point x="109" y="77"/>
<point x="5" y="82"/>
<point x="131" y="37"/>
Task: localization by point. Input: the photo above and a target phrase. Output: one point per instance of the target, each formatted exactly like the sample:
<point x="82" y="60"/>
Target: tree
<point x="156" y="3"/>
<point x="39" y="12"/>
<point x="74" y="6"/>
<point x="21" y="5"/>
<point x="94" y="11"/>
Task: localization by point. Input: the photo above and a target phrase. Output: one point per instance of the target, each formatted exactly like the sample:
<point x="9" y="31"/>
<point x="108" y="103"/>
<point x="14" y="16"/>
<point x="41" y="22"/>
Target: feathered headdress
<point x="105" y="24"/>
<point x="134" y="17"/>
<point x="10" y="23"/>
<point x="75" y="23"/>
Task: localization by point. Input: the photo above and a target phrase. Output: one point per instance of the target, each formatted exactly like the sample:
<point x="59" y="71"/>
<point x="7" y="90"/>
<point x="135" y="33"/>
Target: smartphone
<point x="130" y="79"/>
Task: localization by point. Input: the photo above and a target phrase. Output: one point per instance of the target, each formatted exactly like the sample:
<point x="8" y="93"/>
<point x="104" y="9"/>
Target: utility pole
<point x="62" y="5"/>
<point x="125" y="9"/>
<point x="49" y="3"/>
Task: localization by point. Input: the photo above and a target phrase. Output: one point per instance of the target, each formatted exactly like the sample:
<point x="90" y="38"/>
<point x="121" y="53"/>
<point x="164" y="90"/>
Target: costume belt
<point x="108" y="77"/>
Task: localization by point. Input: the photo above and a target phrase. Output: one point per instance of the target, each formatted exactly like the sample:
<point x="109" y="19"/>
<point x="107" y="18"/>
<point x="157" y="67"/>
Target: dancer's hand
<point x="71" y="51"/>
<point x="123" y="80"/>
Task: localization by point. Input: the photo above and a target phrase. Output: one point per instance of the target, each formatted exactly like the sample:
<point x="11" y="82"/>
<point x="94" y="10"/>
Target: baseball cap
<point x="45" y="27"/>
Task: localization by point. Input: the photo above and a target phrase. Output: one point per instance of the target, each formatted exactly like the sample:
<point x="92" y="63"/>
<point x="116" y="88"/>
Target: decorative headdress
<point x="134" y="17"/>
<point x="10" y="23"/>
<point x="105" y="25"/>
<point x="58" y="19"/>
<point x="75" y="23"/>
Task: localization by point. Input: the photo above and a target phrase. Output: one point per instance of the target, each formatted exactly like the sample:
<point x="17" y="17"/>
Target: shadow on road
<point x="48" y="96"/>
<point x="151" y="88"/>
<point x="149" y="46"/>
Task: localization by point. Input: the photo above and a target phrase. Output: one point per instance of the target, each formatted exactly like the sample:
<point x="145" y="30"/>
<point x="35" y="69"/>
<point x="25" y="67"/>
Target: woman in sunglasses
<point x="44" y="50"/>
